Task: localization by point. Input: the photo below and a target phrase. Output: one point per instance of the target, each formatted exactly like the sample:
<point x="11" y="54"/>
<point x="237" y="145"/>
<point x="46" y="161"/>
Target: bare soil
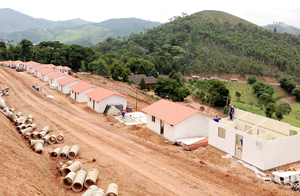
<point x="138" y="160"/>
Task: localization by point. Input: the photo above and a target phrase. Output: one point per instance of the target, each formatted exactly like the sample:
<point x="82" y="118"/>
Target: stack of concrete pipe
<point x="4" y="91"/>
<point x="112" y="190"/>
<point x="76" y="179"/>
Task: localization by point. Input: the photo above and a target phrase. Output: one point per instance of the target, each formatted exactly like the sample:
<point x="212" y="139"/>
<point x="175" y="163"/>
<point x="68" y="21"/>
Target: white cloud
<point x="256" y="11"/>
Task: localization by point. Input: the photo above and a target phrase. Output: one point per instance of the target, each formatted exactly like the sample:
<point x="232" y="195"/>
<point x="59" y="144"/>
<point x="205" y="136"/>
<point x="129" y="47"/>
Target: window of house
<point x="259" y="144"/>
<point x="221" y="132"/>
<point x="90" y="99"/>
<point x="153" y="118"/>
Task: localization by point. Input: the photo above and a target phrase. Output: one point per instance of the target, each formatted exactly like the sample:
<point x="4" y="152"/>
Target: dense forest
<point x="209" y="42"/>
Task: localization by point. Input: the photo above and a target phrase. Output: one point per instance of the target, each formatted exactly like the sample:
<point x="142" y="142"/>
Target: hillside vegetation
<point x="209" y="42"/>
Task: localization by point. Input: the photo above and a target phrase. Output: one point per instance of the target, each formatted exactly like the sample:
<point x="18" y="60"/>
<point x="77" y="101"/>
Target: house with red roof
<point x="38" y="70"/>
<point x="31" y="66"/>
<point x="65" y="83"/>
<point x="56" y="76"/>
<point x="45" y="73"/>
<point x="175" y="121"/>
<point x="79" y="90"/>
<point x="99" y="98"/>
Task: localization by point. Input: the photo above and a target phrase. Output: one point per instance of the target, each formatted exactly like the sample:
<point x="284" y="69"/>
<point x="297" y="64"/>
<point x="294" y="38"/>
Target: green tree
<point x="238" y="95"/>
<point x="296" y="93"/>
<point x="26" y="45"/>
<point x="99" y="67"/>
<point x="143" y="84"/>
<point x="119" y="71"/>
<point x="260" y="87"/>
<point x="270" y="110"/>
<point x="218" y="94"/>
<point x="287" y="83"/>
<point x="265" y="99"/>
<point x="252" y="79"/>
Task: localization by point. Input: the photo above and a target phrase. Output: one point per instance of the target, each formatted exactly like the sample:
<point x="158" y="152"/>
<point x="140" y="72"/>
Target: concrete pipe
<point x="30" y="116"/>
<point x="52" y="139"/>
<point x="12" y="109"/>
<point x="72" y="168"/>
<point x="27" y="130"/>
<point x="68" y="180"/>
<point x="32" y="125"/>
<point x="26" y="136"/>
<point x="21" y="127"/>
<point x="91" y="178"/>
<point x="38" y="147"/>
<point x="73" y="151"/>
<point x="77" y="185"/>
<point x="33" y="135"/>
<point x="90" y="190"/>
<point x="6" y="88"/>
<point x="64" y="152"/>
<point x="46" y="139"/>
<point x="99" y="192"/>
<point x="2" y="105"/>
<point x="31" y="143"/>
<point x="28" y="121"/>
<point x="55" y="152"/>
<point x="46" y="128"/>
<point x="42" y="134"/>
<point x="7" y="93"/>
<point x="112" y="190"/>
<point x="19" y="114"/>
<point x="60" y="138"/>
<point x="12" y="117"/>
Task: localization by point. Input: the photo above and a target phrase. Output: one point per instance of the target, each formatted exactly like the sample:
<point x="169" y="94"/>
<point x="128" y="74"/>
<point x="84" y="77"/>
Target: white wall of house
<point x="65" y="88"/>
<point x="54" y="81"/>
<point x="37" y="73"/>
<point x="45" y="77"/>
<point x="258" y="150"/>
<point x="196" y="125"/>
<point x="81" y="97"/>
<point x="100" y="105"/>
<point x="154" y="126"/>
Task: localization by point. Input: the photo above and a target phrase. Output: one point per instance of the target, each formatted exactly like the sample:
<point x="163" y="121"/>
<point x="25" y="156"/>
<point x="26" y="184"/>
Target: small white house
<point x="79" y="90"/>
<point x="39" y="68"/>
<point x="45" y="73"/>
<point x="31" y="66"/>
<point x="175" y="121"/>
<point x="262" y="142"/>
<point x="65" y="83"/>
<point x="99" y="98"/>
<point x="56" y="76"/>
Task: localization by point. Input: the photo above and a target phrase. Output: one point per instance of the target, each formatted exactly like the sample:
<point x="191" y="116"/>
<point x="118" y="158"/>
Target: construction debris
<point x="192" y="143"/>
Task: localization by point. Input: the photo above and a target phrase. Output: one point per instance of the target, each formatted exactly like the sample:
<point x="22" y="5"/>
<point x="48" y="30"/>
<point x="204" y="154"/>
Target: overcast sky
<point x="260" y="12"/>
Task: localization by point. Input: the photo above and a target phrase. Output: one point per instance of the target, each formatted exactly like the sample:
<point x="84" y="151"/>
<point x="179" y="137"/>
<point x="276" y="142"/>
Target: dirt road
<point x="138" y="165"/>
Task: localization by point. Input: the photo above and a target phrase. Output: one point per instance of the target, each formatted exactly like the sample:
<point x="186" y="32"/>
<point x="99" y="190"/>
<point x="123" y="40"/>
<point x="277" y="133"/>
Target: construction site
<point x="122" y="149"/>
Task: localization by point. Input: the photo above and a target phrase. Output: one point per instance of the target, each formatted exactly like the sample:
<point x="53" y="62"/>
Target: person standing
<point x="231" y="111"/>
<point x="217" y="118"/>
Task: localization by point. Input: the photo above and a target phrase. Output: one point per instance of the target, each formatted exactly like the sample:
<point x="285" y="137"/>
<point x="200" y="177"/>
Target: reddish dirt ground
<point x="138" y="160"/>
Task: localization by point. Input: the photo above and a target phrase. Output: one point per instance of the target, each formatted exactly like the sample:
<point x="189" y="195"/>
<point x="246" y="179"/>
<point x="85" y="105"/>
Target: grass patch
<point x="244" y="89"/>
<point x="248" y="108"/>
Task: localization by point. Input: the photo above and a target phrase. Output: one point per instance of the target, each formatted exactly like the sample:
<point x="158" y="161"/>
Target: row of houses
<point x="257" y="140"/>
<point x="96" y="97"/>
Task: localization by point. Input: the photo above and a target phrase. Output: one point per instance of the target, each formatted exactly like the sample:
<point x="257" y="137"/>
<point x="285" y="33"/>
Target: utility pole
<point x="136" y="99"/>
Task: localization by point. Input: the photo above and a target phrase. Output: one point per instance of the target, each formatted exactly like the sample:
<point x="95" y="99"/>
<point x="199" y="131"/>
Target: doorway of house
<point x="239" y="142"/>
<point x="161" y="127"/>
<point x="93" y="104"/>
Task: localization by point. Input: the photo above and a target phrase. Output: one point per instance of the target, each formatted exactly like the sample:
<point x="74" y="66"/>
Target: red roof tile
<point x="39" y="68"/>
<point x="170" y="112"/>
<point x="101" y="93"/>
<point x="81" y="86"/>
<point x="67" y="68"/>
<point x="67" y="80"/>
<point x="46" y="71"/>
<point x="59" y="67"/>
<point x="56" y="75"/>
<point x="33" y="64"/>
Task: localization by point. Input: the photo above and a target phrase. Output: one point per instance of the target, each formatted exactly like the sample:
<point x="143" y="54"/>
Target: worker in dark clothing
<point x="231" y="111"/>
<point x="123" y="114"/>
<point x="241" y="141"/>
<point x="217" y="118"/>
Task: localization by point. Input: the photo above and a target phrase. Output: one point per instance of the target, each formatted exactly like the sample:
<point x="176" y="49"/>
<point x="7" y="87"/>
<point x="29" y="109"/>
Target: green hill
<point x="210" y="42"/>
<point x="283" y="28"/>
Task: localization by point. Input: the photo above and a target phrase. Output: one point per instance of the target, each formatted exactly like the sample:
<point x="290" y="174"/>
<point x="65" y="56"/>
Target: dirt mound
<point x="23" y="172"/>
